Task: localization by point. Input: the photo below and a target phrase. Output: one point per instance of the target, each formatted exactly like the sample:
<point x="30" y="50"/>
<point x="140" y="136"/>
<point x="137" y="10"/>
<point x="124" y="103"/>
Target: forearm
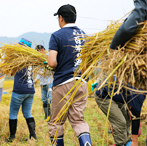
<point x="52" y="65"/>
<point x="135" y="127"/>
<point x="35" y="80"/>
<point x="52" y="59"/>
<point x="130" y="25"/>
<point x="134" y="140"/>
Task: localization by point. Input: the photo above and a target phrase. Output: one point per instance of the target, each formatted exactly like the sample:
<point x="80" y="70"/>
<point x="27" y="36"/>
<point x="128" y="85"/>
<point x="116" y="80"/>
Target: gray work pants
<point x="119" y="119"/>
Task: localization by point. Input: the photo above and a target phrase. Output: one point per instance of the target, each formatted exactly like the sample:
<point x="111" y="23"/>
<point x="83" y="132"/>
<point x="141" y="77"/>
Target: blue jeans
<point x="17" y="100"/>
<point x="46" y="91"/>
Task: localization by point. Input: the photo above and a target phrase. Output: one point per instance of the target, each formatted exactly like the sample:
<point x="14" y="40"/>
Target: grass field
<point x="93" y="116"/>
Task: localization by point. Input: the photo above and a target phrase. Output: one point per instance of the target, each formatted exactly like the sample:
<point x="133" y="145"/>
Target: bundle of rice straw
<point x="15" y="57"/>
<point x="129" y="63"/>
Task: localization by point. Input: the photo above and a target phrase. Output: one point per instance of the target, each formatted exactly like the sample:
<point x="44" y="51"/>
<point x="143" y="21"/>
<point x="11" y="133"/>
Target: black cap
<point x="66" y="11"/>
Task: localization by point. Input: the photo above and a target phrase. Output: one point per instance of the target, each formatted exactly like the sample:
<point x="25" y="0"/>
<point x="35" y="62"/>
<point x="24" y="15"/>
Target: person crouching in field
<point x="22" y="95"/>
<point x="118" y="116"/>
<point x="46" y="86"/>
<point x="121" y="113"/>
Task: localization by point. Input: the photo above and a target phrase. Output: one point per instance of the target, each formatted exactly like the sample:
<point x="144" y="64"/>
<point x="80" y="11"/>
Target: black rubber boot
<point x="31" y="126"/>
<point x="58" y="141"/>
<point x="12" y="128"/>
<point x="46" y="108"/>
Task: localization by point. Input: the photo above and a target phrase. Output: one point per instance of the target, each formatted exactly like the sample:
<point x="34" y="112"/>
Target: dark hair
<point x="68" y="12"/>
<point x="39" y="47"/>
<point x="71" y="19"/>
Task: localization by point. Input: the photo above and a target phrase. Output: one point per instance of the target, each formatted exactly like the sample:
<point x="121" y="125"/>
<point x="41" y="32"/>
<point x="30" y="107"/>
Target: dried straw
<point x="15" y="57"/>
<point x="128" y="62"/>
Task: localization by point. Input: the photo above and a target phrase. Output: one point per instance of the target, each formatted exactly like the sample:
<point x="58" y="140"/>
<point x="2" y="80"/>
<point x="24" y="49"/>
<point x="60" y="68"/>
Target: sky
<point x="22" y="16"/>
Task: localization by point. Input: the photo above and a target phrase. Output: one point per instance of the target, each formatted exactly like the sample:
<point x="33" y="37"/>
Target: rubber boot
<point x="12" y="128"/>
<point x="58" y="142"/>
<point x="46" y="110"/>
<point x="84" y="139"/>
<point x="31" y="126"/>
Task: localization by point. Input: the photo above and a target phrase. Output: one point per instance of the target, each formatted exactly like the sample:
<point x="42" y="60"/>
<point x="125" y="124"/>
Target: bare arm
<point x="134" y="140"/>
<point x="35" y="81"/>
<point x="135" y="127"/>
<point x="52" y="59"/>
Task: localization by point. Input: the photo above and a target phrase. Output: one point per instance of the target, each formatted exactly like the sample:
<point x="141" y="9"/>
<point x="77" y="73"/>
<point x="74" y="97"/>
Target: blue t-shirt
<point x="125" y="96"/>
<point x="23" y="83"/>
<point x="64" y="42"/>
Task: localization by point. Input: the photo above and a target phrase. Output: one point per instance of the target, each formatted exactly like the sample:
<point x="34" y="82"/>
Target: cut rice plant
<point x="100" y="61"/>
<point x="15" y="57"/>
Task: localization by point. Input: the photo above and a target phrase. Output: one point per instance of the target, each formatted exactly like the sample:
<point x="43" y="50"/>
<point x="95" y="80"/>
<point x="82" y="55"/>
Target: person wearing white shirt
<point x="46" y="86"/>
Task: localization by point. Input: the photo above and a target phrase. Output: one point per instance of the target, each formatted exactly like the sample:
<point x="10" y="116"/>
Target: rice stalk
<point x="15" y="57"/>
<point x="134" y="68"/>
<point x="106" y="124"/>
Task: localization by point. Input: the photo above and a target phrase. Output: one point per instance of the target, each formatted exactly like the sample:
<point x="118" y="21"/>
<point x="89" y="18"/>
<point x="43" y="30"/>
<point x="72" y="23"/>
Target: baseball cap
<point x="66" y="11"/>
<point x="24" y="41"/>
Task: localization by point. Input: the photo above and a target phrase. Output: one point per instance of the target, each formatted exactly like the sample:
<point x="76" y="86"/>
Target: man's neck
<point x="69" y="25"/>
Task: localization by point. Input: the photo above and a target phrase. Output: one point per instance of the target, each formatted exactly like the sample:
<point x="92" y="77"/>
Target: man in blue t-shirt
<point x="22" y="95"/>
<point x="118" y="116"/>
<point x="64" y="48"/>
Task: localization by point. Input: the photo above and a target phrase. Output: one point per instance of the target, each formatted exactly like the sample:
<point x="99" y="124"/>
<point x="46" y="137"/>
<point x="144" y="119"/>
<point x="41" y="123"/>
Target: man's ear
<point x="61" y="18"/>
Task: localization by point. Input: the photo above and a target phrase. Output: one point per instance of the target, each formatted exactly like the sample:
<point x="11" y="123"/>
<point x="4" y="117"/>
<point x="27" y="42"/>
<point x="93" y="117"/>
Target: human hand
<point x="47" y="66"/>
<point x="130" y="114"/>
<point x="45" y="62"/>
<point x="35" y="81"/>
<point x="94" y="86"/>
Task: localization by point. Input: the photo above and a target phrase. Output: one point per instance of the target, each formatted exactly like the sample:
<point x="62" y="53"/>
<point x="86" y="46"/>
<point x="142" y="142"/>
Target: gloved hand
<point x="47" y="66"/>
<point x="94" y="86"/>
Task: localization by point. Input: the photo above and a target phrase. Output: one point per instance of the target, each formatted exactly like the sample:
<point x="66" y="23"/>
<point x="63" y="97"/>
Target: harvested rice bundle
<point x="97" y="44"/>
<point x="15" y="57"/>
<point x="128" y="62"/>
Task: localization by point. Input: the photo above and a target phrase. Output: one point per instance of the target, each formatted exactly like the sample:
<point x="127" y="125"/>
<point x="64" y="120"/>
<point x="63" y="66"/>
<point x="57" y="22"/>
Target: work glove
<point x="94" y="86"/>
<point x="47" y="66"/>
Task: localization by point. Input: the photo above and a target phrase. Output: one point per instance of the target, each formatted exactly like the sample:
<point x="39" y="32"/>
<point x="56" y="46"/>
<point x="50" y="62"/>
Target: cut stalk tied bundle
<point x="15" y="57"/>
<point x="132" y="70"/>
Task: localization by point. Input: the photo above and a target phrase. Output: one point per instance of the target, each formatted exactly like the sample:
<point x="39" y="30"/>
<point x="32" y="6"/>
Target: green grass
<point x="93" y="116"/>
